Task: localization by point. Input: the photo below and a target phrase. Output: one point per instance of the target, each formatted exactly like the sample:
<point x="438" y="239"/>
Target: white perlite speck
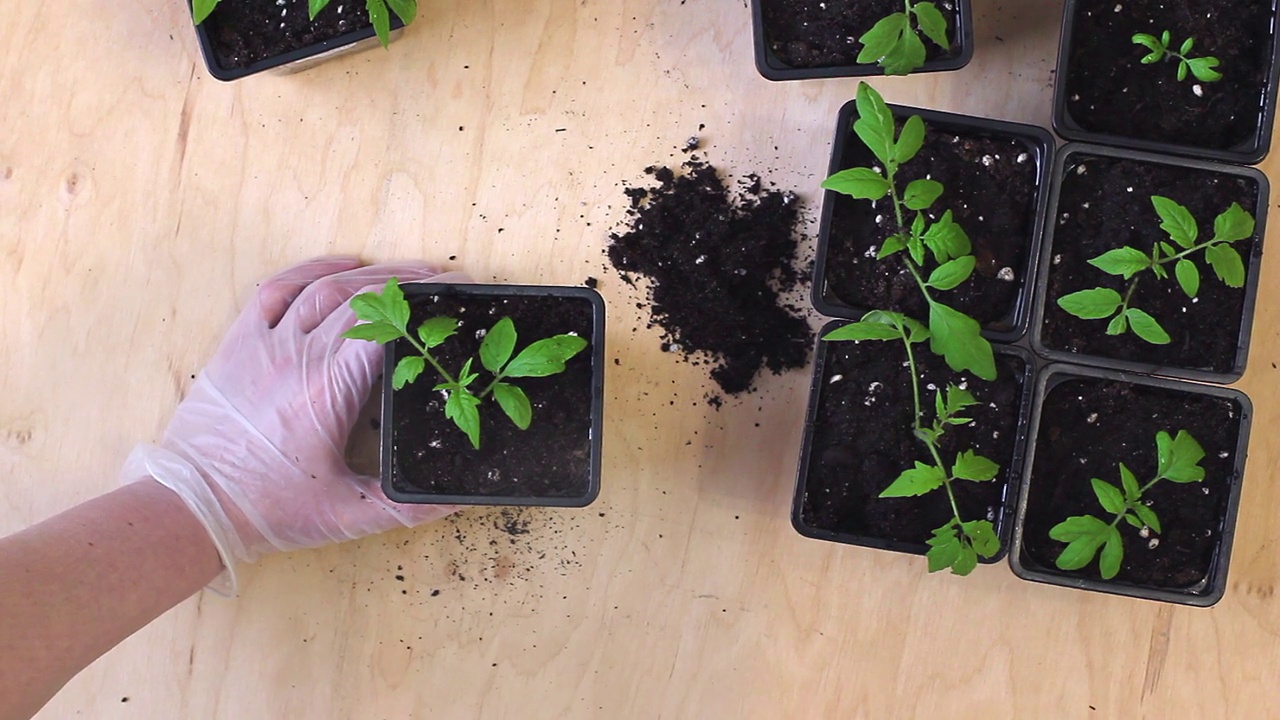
<point x="1005" y="274"/>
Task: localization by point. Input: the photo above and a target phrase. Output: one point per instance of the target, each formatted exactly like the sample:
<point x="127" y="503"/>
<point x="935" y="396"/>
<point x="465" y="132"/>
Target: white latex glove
<point x="256" y="447"/>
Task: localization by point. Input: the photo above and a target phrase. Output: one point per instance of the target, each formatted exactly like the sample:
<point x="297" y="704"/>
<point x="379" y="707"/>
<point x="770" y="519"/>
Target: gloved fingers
<point x="378" y="508"/>
<point x="276" y="294"/>
<point x="327" y="294"/>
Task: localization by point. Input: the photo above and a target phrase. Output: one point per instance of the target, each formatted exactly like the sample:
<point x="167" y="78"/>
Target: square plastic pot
<point x="1039" y="146"/>
<point x="1204" y="593"/>
<point x="591" y="486"/>
<point x="1259" y="211"/>
<point x="773" y="68"/>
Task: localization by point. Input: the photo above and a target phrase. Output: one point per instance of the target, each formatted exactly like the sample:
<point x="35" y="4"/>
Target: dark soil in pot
<point x="824" y="33"/>
<point x="991" y="189"/>
<point x="1108" y="89"/>
<point x="862" y="440"/>
<point x="552" y="458"/>
<point x="246" y="31"/>
<point x="1105" y="203"/>
<point x="1090" y="425"/>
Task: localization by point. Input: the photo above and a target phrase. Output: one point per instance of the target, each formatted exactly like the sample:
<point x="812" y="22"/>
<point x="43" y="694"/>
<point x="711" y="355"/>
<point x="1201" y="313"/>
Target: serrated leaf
<point x="970" y="466"/>
<point x="910" y="139"/>
<point x="892" y="244"/>
<point x="1130" y="483"/>
<point x="1093" y="304"/>
<point x="907" y="56"/>
<point x="1123" y="261"/>
<point x="944" y="549"/>
<point x="932" y="24"/>
<point x="200" y="9"/>
<point x="1226" y="264"/>
<point x="1179" y="457"/>
<point x="915" y="330"/>
<point x="378" y="332"/>
<point x="1112" y="554"/>
<point x="315" y="6"/>
<point x="958" y="399"/>
<point x="435" y="331"/>
<point x="514" y="403"/>
<point x="545" y="357"/>
<point x="498" y="344"/>
<point x="1176" y="220"/>
<point x="860" y="183"/>
<point x="874" y="125"/>
<point x="951" y="273"/>
<point x="982" y="536"/>
<point x="381" y="21"/>
<point x="407" y="370"/>
<point x="966" y="562"/>
<point x="1188" y="277"/>
<point x="406" y="10"/>
<point x="1146" y="327"/>
<point x="1233" y="224"/>
<point x="863" y="330"/>
<point x="1109" y="496"/>
<point x="1084" y="534"/>
<point x="461" y="407"/>
<point x="882" y="38"/>
<point x="388" y="307"/>
<point x="916" y="481"/>
<point x="1118" y="325"/>
<point x="1203" y="69"/>
<point x="465" y="376"/>
<point x="921" y="193"/>
<point x="1147" y="516"/>
<point x="958" y="339"/>
<point x="947" y="239"/>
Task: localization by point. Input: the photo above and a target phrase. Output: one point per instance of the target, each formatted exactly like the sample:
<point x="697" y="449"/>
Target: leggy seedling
<point x="893" y="42"/>
<point x="1127" y="262"/>
<point x="1201" y="67"/>
<point x="1178" y="460"/>
<point x="386" y="319"/>
<point x="379" y="13"/>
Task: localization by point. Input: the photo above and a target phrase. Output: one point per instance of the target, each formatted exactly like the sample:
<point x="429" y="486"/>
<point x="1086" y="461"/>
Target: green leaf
<point x="1149" y="41"/>
<point x="950" y="274"/>
<point x="498" y="343"/>
<point x="917" y="225"/>
<point x="1164" y="39"/>
<point x="1176" y="220"/>
<point x="969" y="466"/>
<point x="1124" y="261"/>
<point x="388" y="307"/>
<point x="1226" y="264"/>
<point x="200" y="9"/>
<point x="436" y="330"/>
<point x="910" y="139"/>
<point x="860" y="183"/>
<point x="908" y="55"/>
<point x="932" y="24"/>
<point x="892" y="244"/>
<point x="378" y="332"/>
<point x="958" y="399"/>
<point x="947" y="239"/>
<point x="465" y="376"/>
<point x="545" y="357"/>
<point x="1179" y="458"/>
<point x="944" y="547"/>
<point x="1186" y="46"/>
<point x="1109" y="496"/>
<point x="461" y="407"/>
<point x="1133" y="520"/>
<point x="982" y="535"/>
<point x="407" y="370"/>
<point x="864" y="331"/>
<point x="1182" y="70"/>
<point x="1130" y="484"/>
<point x="514" y="403"/>
<point x="1203" y="69"/>
<point x="1093" y="304"/>
<point x="1188" y="277"/>
<point x="915" y="247"/>
<point x="921" y="193"/>
<point x="1146" y="327"/>
<point x="1233" y="224"/>
<point x="315" y="6"/>
<point x="914" y="330"/>
<point x="1118" y="325"/>
<point x="1147" y="516"/>
<point x="407" y="10"/>
<point x="916" y="481"/>
<point x="874" y="125"/>
<point x="882" y="38"/>
<point x="1084" y="534"/>
<point x="381" y="21"/>
<point x="1159" y="271"/>
<point x="938" y="408"/>
<point x="958" y="338"/>
<point x="1166" y="248"/>
<point x="1112" y="554"/>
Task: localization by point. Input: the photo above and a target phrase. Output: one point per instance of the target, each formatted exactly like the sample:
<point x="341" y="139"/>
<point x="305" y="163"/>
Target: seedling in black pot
<point x="1201" y="67"/>
<point x="894" y="42"/>
<point x="379" y="13"/>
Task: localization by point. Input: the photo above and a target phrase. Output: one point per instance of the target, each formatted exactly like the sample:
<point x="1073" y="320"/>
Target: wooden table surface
<point x="140" y="201"/>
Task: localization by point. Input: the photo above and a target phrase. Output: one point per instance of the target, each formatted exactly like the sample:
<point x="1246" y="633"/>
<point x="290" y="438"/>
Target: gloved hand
<point x="255" y="449"/>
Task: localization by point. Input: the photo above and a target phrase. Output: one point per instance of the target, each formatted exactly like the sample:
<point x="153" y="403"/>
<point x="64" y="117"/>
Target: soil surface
<point x="551" y="459"/>
<point x="246" y="31"/>
<point x="719" y="261"/>
<point x="1087" y="428"/>
<point x="863" y="439"/>
<point x="824" y="33"/>
<point x="1105" y="203"/>
<point x="991" y="190"/>
<point x="1109" y="90"/>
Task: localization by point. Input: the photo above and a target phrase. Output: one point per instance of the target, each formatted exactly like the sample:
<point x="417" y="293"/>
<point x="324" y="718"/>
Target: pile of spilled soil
<point x="720" y="262"/>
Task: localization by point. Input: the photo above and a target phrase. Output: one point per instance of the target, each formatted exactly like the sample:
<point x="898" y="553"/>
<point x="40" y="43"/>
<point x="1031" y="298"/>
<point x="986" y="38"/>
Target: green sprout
<point x="1178" y="460"/>
<point x="1201" y="67"/>
<point x="379" y="13"/>
<point x="1127" y="262"/>
<point x="893" y="42"/>
<point x="956" y="544"/>
<point x="386" y="319"/>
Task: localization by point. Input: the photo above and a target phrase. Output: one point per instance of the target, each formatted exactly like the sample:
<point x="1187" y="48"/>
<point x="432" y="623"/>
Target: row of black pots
<point x="1103" y="93"/>
<point x="1070" y="402"/>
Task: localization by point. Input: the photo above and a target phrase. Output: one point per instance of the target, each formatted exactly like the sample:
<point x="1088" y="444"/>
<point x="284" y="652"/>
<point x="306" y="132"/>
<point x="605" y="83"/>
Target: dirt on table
<point x="719" y="262"/>
<point x="824" y="33"/>
<point x="244" y="32"/>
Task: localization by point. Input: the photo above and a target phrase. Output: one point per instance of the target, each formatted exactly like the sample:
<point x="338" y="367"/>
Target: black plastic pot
<point x="1254" y="141"/>
<point x="773" y="68"/>
<point x="1069" y="160"/>
<point x="1043" y="487"/>
<point x="848" y="151"/>
<point x="575" y="491"/>
<point x="296" y="60"/>
<point x="822" y="386"/>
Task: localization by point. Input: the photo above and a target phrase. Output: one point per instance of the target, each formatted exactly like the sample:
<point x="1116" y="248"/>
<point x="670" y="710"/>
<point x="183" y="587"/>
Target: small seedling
<point x="953" y="335"/>
<point x="1128" y="262"/>
<point x="1201" y="67"/>
<point x="379" y="13"/>
<point x="1178" y="460"/>
<point x="894" y="44"/>
<point x="386" y="319"/>
<point x="958" y="543"/>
